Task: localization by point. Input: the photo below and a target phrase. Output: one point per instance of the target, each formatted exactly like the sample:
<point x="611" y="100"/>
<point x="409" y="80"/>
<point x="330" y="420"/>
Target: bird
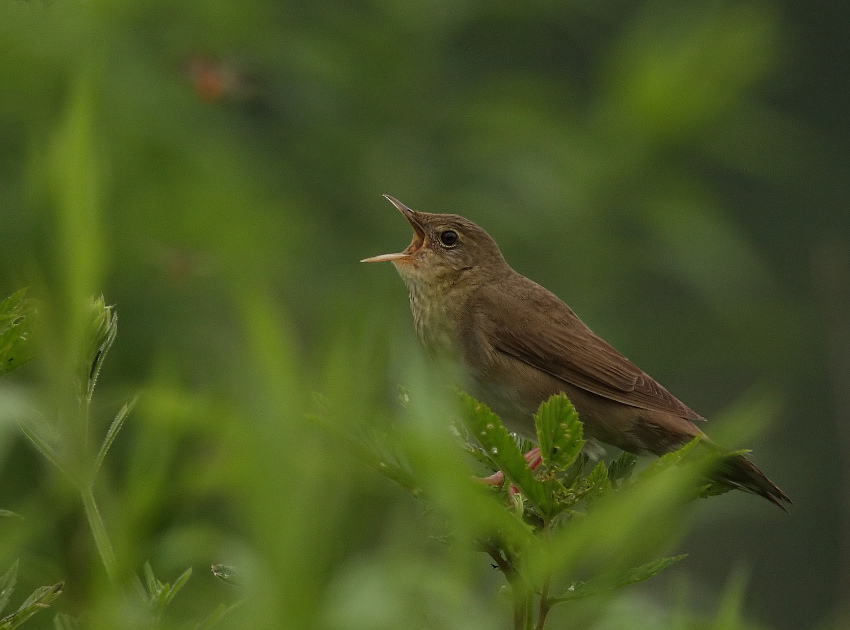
<point x="518" y="344"/>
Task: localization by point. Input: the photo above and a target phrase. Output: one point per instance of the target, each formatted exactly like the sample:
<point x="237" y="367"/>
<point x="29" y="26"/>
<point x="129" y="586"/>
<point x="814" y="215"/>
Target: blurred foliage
<point x="215" y="169"/>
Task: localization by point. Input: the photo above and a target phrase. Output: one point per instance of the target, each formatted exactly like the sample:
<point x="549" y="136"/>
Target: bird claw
<point x="498" y="478"/>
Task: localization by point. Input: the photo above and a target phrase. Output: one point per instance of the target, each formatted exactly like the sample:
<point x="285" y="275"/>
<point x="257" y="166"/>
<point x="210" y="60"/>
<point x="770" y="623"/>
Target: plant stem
<point x="98" y="530"/>
<point x="543" y="610"/>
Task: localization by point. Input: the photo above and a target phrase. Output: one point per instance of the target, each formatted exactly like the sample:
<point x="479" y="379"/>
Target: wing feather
<point x="544" y="333"/>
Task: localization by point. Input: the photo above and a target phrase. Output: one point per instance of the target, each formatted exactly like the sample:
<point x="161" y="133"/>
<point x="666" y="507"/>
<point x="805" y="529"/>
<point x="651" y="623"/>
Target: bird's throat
<point x="431" y="313"/>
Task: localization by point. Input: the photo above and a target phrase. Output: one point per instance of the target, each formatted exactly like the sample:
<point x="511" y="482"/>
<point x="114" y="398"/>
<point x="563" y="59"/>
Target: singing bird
<point x="519" y="344"/>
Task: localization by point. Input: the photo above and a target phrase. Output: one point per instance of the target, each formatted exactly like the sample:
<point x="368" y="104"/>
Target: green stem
<point x="543" y="610"/>
<point x="98" y="530"/>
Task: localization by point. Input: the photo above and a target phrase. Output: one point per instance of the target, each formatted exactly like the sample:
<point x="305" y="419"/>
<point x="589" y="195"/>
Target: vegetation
<point x="215" y="170"/>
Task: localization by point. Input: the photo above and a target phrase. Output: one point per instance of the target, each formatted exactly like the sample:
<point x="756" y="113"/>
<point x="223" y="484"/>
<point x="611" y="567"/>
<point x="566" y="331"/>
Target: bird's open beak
<point x="418" y="235"/>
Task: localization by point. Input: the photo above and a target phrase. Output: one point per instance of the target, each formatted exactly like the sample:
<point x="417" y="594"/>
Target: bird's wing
<point x="544" y="332"/>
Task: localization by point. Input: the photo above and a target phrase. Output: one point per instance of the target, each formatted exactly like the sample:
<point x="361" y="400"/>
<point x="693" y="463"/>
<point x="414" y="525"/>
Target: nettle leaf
<point x="502" y="449"/>
<point x="603" y="584"/>
<point x="621" y="469"/>
<point x="596" y="484"/>
<point x="559" y="432"/>
<point x="16" y="315"/>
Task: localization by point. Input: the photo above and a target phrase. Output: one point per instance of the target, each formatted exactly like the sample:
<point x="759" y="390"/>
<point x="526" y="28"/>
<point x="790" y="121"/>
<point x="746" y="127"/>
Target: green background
<point x="677" y="172"/>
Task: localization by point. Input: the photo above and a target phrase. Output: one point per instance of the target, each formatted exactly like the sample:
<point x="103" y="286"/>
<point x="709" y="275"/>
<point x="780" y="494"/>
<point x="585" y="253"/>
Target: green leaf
<point x="559" y="432"/>
<point x="43" y="446"/>
<point x="596" y="484"/>
<point x="151" y="582"/>
<point x="502" y="449"/>
<point x="160" y="594"/>
<point x="16" y="315"/>
<point x="603" y="584"/>
<point x="674" y="458"/>
<point x="375" y="450"/>
<point x="10" y="514"/>
<point x="102" y="329"/>
<point x="112" y="433"/>
<point x="7" y="585"/>
<point x="171" y="591"/>
<point x="40" y="599"/>
<point x="621" y="468"/>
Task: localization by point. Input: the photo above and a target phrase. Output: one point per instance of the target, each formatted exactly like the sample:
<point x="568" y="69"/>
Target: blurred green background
<point x="677" y="172"/>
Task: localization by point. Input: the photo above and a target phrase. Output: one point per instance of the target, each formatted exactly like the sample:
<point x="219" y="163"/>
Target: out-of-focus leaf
<point x="559" y="432"/>
<point x="43" y="446"/>
<point x="607" y="583"/>
<point x="7" y="584"/>
<point x="16" y="314"/>
<point x="672" y="458"/>
<point x="220" y="612"/>
<point x="160" y="594"/>
<point x="40" y="599"/>
<point x="65" y="622"/>
<point x="112" y="433"/>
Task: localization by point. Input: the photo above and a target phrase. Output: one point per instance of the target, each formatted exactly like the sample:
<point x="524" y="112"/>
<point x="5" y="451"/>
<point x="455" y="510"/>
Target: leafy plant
<point x="40" y="599"/>
<point x="550" y="526"/>
<point x="78" y="464"/>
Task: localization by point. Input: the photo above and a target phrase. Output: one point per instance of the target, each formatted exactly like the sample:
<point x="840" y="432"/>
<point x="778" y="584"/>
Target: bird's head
<point x="445" y="248"/>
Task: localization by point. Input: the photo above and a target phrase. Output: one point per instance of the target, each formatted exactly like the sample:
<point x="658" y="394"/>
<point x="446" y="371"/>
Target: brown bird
<point x="519" y="344"/>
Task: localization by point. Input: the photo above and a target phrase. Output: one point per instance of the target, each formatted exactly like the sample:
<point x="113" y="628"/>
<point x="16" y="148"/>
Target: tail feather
<point x="736" y="471"/>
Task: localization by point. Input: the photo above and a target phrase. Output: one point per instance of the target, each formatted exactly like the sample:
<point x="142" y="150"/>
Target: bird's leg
<point x="532" y="457"/>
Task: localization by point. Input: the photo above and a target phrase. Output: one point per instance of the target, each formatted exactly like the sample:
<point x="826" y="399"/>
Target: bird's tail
<point x="736" y="471"/>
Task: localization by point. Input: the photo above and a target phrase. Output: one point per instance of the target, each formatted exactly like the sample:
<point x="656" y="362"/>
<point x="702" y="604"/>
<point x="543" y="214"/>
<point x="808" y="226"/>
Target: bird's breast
<point x="432" y="320"/>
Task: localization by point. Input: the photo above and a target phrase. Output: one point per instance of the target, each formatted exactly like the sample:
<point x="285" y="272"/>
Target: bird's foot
<point x="497" y="479"/>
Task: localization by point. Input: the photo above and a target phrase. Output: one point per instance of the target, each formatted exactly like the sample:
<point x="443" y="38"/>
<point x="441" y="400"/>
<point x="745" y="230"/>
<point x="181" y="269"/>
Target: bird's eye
<point x="449" y="238"/>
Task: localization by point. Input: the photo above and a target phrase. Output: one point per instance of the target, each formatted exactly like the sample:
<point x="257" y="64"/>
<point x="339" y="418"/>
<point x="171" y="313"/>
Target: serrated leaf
<point x="375" y="450"/>
<point x="596" y="483"/>
<point x="40" y="599"/>
<point x="112" y="433"/>
<point x="574" y="474"/>
<point x="502" y="449"/>
<point x="16" y="314"/>
<point x="7" y="585"/>
<point x="622" y="467"/>
<point x="607" y="583"/>
<point x="559" y="432"/>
